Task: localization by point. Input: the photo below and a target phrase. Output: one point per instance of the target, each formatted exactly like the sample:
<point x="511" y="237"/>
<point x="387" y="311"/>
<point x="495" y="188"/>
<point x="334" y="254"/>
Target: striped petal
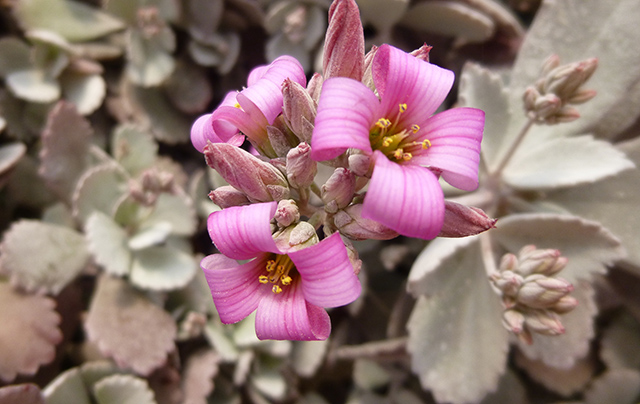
<point x="202" y="132"/>
<point x="405" y="198"/>
<point x="243" y="232"/>
<point x="288" y="316"/>
<point x="402" y="79"/>
<point x="235" y="288"/>
<point x="346" y="111"/>
<point x="328" y="279"/>
<point x="455" y="137"/>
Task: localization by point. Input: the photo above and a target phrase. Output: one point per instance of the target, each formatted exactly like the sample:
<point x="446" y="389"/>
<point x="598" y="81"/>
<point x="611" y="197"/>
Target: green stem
<point x="514" y="146"/>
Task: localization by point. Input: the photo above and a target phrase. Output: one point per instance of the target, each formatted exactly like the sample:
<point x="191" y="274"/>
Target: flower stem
<point x="514" y="146"/>
<point x="488" y="259"/>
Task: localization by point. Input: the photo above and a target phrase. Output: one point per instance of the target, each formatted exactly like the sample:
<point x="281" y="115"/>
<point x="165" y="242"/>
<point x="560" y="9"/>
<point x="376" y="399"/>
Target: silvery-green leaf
<point x="21" y="394"/>
<point x="98" y="189"/>
<point x="150" y="236"/>
<point x="41" y="256"/>
<point x="280" y="44"/>
<point x="198" y="191"/>
<point x="85" y="91"/>
<point x="108" y="243"/>
<point x="10" y="154"/>
<point x="382" y="14"/>
<point x="29" y="333"/>
<point x="244" y="332"/>
<point x="64" y="156"/>
<point x="33" y="85"/>
<point x="123" y="389"/>
<point x="14" y="55"/>
<point x="564" y="162"/>
<point x="162" y="268"/>
<point x="599" y="24"/>
<point x="619" y="343"/>
<point x="3" y="123"/>
<point x="307" y="356"/>
<point x="510" y="390"/>
<point x="451" y="19"/>
<point x="133" y="148"/>
<point x="93" y="371"/>
<point x="613" y="202"/>
<point x="221" y="342"/>
<point x="59" y="214"/>
<point x="177" y="210"/>
<point x="483" y="89"/>
<point x="620" y="386"/>
<point x="562" y="381"/>
<point x="141" y="345"/>
<point x="588" y="246"/>
<point x="270" y="383"/>
<point x="200" y="369"/>
<point x="369" y="375"/>
<point x="75" y="21"/>
<point x="218" y="49"/>
<point x="67" y="387"/>
<point x="149" y="62"/>
<point x="203" y="16"/>
<point x="457" y="328"/>
<point x="188" y="88"/>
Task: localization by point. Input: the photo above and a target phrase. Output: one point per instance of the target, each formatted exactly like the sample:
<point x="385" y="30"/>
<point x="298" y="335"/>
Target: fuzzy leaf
<point x="562" y="381"/>
<point x="307" y="356"/>
<point x="369" y="375"/>
<point x="270" y="383"/>
<point x="149" y="61"/>
<point x="21" y="394"/>
<point x="564" y="162"/>
<point x="176" y="210"/>
<point x="123" y="389"/>
<point x="200" y="370"/>
<point x="588" y="246"/>
<point x="107" y="242"/>
<point x="150" y="236"/>
<point x="128" y="327"/>
<point x="510" y="390"/>
<point x="33" y="85"/>
<point x="221" y="342"/>
<point x="42" y="256"/>
<point x="188" y="87"/>
<point x="28" y="334"/>
<point x="99" y="189"/>
<point x="133" y="148"/>
<point x="456" y="329"/>
<point x="67" y="387"/>
<point x="162" y="268"/>
<point x="66" y="141"/>
<point x="14" y="55"/>
<point x="619" y="343"/>
<point x="85" y="91"/>
<point x="595" y="202"/>
<point x="620" y="386"/>
<point x="10" y="155"/>
<point x="75" y="21"/>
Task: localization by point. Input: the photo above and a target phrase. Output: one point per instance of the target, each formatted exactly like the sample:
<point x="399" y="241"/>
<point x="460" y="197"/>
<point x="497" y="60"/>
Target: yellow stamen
<point x="403" y="107"/>
<point x="263" y="279"/>
<point x="426" y="144"/>
<point x="286" y="280"/>
<point x="277" y="273"/>
<point x="386" y="142"/>
<point x="271" y="265"/>
<point x="383" y="123"/>
<point x="276" y="289"/>
<point x="398" y="154"/>
<point x="407" y="156"/>
<point x="415" y="128"/>
<point x="237" y="106"/>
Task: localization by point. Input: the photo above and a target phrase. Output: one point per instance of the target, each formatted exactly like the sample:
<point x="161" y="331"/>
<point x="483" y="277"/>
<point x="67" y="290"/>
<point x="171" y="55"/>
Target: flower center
<point x="277" y="273"/>
<point x="394" y="141"/>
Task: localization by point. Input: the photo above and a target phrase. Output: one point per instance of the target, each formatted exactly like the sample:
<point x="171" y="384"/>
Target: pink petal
<point x="346" y="111"/>
<point x="225" y="117"/>
<point x="287" y="316"/>
<point x="328" y="279"/>
<point x="403" y="79"/>
<point x="242" y="232"/>
<point x="202" y="132"/>
<point x="455" y="137"/>
<point x="405" y="198"/>
<point x="223" y="129"/>
<point x="235" y="288"/>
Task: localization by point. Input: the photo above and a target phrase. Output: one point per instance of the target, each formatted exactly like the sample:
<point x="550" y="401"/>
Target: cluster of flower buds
<point x="533" y="296"/>
<point x="150" y="185"/>
<point x="549" y="100"/>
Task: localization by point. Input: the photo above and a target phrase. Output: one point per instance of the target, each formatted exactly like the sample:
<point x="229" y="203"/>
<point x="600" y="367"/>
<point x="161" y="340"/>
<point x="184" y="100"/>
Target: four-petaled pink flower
<point x="410" y="146"/>
<point x="288" y="288"/>
<point x="250" y="110"/>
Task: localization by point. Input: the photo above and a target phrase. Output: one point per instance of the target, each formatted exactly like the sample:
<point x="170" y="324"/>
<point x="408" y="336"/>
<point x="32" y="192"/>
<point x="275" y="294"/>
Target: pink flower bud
<point x="367" y="76"/>
<point x="541" y="292"/>
<point x="463" y="221"/>
<point x="544" y="322"/>
<point x="226" y="196"/>
<point x="314" y="86"/>
<point x="301" y="169"/>
<point x="360" y="164"/>
<point x="299" y="110"/>
<point x="565" y="305"/>
<point x="344" y="42"/>
<point x="547" y="262"/>
<point x="352" y="225"/>
<point x="258" y="180"/>
<point x="339" y="189"/>
<point x="508" y="282"/>
<point x="509" y="262"/>
<point x="287" y="212"/>
<point x="296" y="237"/>
<point x="422" y="52"/>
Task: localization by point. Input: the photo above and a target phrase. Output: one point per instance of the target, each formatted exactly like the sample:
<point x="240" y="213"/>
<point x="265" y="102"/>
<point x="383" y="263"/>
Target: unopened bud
<point x="278" y="140"/>
<point x="360" y="164"/>
<point x="367" y="77"/>
<point x="509" y="262"/>
<point x="301" y="169"/>
<point x="565" y="305"/>
<point x="227" y="196"/>
<point x="541" y="292"/>
<point x="508" y="282"/>
<point x="513" y="320"/>
<point x="582" y="96"/>
<point x="258" y="180"/>
<point x="464" y="221"/>
<point x="422" y="52"/>
<point x="344" y="42"/>
<point x="547" y="262"/>
<point x="287" y="212"/>
<point x="299" y="110"/>
<point x="352" y="225"/>
<point x="296" y="237"/>
<point x="339" y="189"/>
<point x="543" y="322"/>
<point x="565" y="80"/>
<point x="314" y="86"/>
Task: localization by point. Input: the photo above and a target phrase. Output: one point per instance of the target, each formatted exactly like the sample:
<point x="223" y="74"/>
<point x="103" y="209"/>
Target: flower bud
<point x="278" y="140"/>
<point x="296" y="237"/>
<point x="339" y="189"/>
<point x="513" y="320"/>
<point x="301" y="169"/>
<point x="258" y="180"/>
<point x="463" y="221"/>
<point x="547" y="262"/>
<point x="508" y="282"/>
<point x="541" y="292"/>
<point x="299" y="110"/>
<point x="565" y="305"/>
<point x="359" y="163"/>
<point x="352" y="225"/>
<point x="344" y="42"/>
<point x="314" y="86"/>
<point x="543" y="322"/>
<point x="367" y="76"/>
<point x="287" y="212"/>
<point x="226" y="196"/>
<point x="422" y="52"/>
<point x="509" y="262"/>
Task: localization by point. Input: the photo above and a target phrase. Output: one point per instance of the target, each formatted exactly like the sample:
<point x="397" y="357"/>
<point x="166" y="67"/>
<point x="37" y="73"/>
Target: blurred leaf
<point x="177" y="210"/>
<point x="188" y="88"/>
<point x="21" y="394"/>
<point x="456" y="328"/>
<point x="33" y="85"/>
<point x="41" y="256"/>
<point x="162" y="268"/>
<point x="200" y="370"/>
<point x="149" y="59"/>
<point x="562" y="381"/>
<point x="369" y="375"/>
<point x="451" y="19"/>
<point x="203" y="16"/>
<point x="382" y="14"/>
<point x="99" y="189"/>
<point x="620" y="386"/>
<point x="107" y="242"/>
<point x="85" y="91"/>
<point x="270" y="383"/>
<point x="133" y="148"/>
<point x="128" y="327"/>
<point x="75" y="21"/>
<point x="93" y="371"/>
<point x="10" y="154"/>
<point x="220" y="341"/>
<point x="68" y="387"/>
<point x="66" y="140"/>
<point x="619" y="343"/>
<point x="14" y="55"/>
<point x="510" y="390"/>
<point x="29" y="332"/>
<point x="219" y="50"/>
<point x="150" y="236"/>
<point x="123" y="389"/>
<point x="307" y="356"/>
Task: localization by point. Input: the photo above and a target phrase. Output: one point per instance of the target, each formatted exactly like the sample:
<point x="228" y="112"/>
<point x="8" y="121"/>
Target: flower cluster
<point x="369" y="118"/>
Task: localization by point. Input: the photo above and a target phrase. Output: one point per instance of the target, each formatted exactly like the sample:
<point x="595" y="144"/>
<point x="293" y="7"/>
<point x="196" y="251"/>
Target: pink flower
<point x="252" y="109"/>
<point x="288" y="287"/>
<point x="409" y="145"/>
